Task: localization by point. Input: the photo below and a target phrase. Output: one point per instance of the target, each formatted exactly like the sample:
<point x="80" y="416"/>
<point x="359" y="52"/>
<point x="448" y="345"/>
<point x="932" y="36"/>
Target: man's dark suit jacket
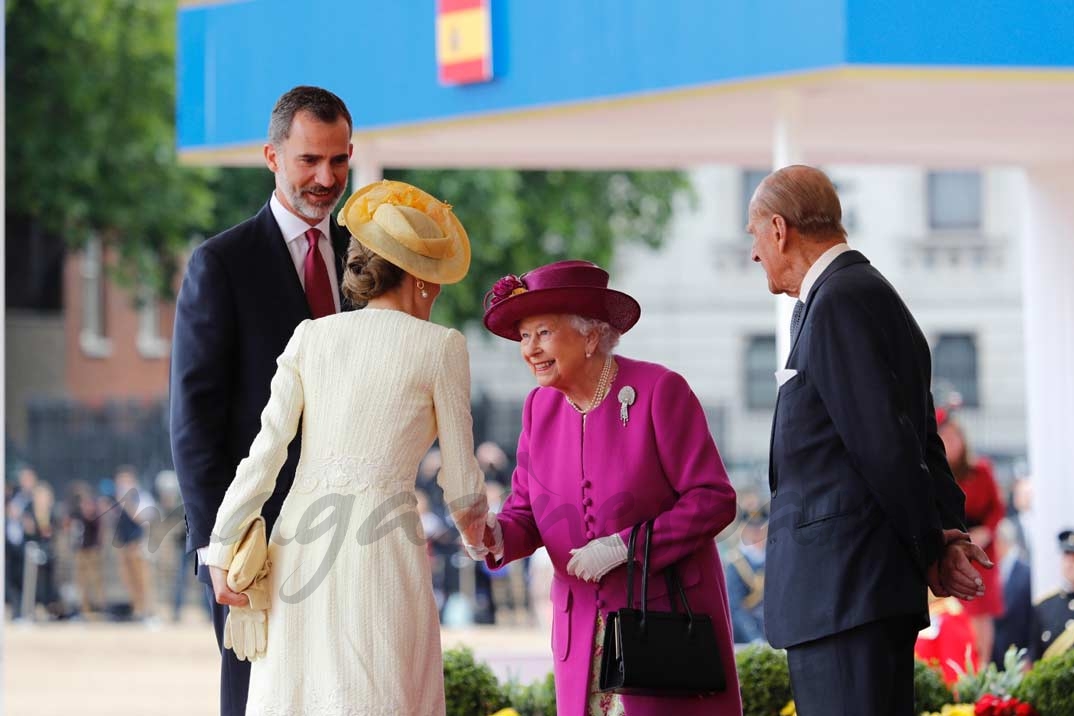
<point x="239" y="303"/>
<point x="1017" y="625"/>
<point x="860" y="482"/>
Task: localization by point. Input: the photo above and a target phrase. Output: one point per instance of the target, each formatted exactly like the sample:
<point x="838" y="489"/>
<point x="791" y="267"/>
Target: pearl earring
<point x="588" y="355"/>
<point x="421" y="287"/>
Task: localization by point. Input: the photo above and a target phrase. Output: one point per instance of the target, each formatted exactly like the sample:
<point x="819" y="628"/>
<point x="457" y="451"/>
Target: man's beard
<point x="300" y="198"/>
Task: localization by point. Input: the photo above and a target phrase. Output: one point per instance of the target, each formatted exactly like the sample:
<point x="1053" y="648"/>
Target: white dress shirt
<point x="294" y="233"/>
<point x="823" y="261"/>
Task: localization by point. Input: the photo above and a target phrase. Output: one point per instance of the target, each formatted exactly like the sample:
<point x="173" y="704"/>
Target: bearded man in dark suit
<point x="244" y="292"/>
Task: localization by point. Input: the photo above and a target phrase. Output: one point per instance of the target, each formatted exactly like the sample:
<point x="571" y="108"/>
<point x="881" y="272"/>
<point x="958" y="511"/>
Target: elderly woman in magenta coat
<point x="607" y="442"/>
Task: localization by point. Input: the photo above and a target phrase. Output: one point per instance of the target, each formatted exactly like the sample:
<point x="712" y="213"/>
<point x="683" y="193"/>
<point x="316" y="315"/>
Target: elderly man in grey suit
<point x="866" y="514"/>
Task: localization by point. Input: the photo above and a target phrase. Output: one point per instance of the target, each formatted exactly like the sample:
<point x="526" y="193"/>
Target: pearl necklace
<point x="603" y="384"/>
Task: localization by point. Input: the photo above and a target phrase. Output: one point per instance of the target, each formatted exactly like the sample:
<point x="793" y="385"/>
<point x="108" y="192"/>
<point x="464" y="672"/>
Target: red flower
<point x="991" y="705"/>
<point x="986" y="706"/>
<point x="504" y="288"/>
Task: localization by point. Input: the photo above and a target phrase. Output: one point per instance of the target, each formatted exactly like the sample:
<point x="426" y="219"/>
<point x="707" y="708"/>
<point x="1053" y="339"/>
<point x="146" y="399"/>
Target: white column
<point x="367" y="167"/>
<point x="786" y="150"/>
<point x="1048" y="305"/>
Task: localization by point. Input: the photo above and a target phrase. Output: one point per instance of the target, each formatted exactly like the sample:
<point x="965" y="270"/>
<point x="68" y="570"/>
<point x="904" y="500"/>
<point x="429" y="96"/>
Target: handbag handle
<point x="670" y="574"/>
<point x="631" y="542"/>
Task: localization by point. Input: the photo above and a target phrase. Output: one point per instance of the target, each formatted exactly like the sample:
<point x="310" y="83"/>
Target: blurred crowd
<point x="112" y="550"/>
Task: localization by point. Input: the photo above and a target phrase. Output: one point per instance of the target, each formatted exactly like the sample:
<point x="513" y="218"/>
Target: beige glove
<point x="246" y="632"/>
<point x="246" y="629"/>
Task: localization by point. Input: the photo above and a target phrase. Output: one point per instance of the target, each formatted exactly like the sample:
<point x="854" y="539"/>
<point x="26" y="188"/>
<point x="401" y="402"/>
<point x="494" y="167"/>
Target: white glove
<point x="246" y="632"/>
<point x="600" y="556"/>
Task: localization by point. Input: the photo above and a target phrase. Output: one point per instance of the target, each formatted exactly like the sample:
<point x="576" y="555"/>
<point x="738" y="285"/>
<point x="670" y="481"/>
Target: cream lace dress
<point x="353" y="628"/>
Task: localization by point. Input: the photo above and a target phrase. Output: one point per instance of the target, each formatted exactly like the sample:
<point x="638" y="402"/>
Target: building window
<point x="751" y="179"/>
<point x="760" y="368"/>
<point x="954" y="201"/>
<point x="150" y="343"/>
<point x="954" y="370"/>
<point x="92" y="337"/>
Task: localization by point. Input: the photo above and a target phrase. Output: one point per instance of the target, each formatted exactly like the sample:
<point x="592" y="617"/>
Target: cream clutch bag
<point x="250" y="566"/>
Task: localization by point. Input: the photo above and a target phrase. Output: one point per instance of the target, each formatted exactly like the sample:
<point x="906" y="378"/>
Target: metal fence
<point x="69" y="441"/>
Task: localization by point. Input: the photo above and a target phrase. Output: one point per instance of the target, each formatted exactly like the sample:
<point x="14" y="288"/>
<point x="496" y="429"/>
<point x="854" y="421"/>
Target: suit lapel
<point x="847" y="258"/>
<point x="841" y="261"/>
<point x="282" y="265"/>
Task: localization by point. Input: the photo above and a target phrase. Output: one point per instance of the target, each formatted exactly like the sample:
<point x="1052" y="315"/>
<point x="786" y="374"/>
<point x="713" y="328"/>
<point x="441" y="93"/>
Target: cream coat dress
<point x="353" y="627"/>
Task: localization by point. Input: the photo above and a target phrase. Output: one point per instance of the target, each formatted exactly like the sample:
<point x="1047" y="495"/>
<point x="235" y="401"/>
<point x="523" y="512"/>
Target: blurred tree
<point x="518" y="220"/>
<point x="91" y="131"/>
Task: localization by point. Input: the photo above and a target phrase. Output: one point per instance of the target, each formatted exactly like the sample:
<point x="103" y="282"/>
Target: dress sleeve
<point x="460" y="477"/>
<point x="255" y="478"/>
<point x="705" y="500"/>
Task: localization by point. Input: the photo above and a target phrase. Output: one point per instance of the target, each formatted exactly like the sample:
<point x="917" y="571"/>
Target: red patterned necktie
<point x="318" y="287"/>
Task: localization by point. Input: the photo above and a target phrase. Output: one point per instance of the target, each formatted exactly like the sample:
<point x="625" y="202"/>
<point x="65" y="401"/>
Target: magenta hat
<point x="575" y="287"/>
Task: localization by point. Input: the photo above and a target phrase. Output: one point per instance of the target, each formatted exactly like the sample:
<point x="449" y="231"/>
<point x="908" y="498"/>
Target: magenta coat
<point x="577" y="480"/>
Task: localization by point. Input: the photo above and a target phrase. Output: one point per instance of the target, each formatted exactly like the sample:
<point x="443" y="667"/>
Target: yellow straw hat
<point x="410" y="228"/>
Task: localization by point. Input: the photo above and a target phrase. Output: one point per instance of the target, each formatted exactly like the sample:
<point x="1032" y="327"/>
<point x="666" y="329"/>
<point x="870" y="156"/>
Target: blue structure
<point x="236" y="58"/>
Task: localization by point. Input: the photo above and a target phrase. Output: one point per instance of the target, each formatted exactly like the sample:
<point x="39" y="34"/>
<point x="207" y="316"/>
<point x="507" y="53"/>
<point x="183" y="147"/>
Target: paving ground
<point x="91" y="669"/>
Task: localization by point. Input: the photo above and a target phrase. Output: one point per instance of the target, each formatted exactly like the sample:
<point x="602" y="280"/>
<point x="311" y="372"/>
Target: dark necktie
<point x="796" y="319"/>
<point x="318" y="287"/>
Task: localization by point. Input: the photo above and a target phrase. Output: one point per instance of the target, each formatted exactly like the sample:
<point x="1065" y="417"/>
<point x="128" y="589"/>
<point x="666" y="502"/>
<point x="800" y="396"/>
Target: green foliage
<point x="764" y="680"/>
<point x="239" y="193"/>
<point x="930" y="691"/>
<point x="470" y="688"/>
<point x="535" y="699"/>
<point x="91" y="135"/>
<point x="1049" y="687"/>
<point x="519" y="220"/>
<point x="974" y="683"/>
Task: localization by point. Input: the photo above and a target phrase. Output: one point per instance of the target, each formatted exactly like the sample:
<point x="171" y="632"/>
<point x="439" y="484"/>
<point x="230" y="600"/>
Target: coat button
<point x="590" y="534"/>
<point x="600" y="604"/>
<point x="587" y="484"/>
<point x="588" y="502"/>
<point x="590" y="518"/>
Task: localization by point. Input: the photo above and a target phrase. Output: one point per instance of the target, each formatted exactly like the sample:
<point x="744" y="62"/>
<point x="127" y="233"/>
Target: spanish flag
<point x="463" y="41"/>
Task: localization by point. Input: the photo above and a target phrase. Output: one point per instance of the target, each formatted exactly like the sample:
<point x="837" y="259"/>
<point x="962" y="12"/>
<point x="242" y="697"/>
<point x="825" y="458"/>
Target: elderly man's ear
<point x="779" y="232"/>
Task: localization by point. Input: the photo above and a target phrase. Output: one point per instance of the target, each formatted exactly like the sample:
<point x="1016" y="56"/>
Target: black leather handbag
<point x="659" y="653"/>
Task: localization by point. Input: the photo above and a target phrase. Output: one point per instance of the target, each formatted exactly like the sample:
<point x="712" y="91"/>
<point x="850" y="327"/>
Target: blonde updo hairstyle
<point x="368" y="275"/>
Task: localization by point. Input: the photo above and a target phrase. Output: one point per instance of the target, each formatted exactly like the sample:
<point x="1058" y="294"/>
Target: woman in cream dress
<point x="352" y="626"/>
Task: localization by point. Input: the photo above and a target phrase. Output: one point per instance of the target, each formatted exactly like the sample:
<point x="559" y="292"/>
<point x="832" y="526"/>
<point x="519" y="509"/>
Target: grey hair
<point x="607" y="337"/>
<point x="321" y="103"/>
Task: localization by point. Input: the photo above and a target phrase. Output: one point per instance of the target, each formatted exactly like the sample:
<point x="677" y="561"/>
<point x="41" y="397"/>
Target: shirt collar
<point x="291" y="226"/>
<point x="824" y="261"/>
